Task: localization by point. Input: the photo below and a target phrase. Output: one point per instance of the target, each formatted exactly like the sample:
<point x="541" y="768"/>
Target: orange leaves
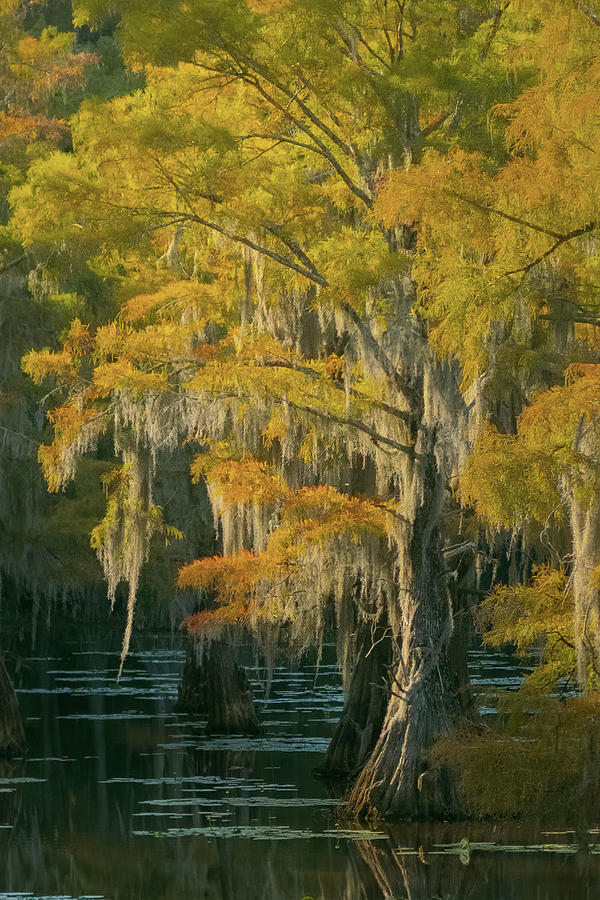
<point x="213" y="620"/>
<point x="448" y="192"/>
<point x="553" y="416"/>
<point x="20" y="125"/>
<point x="334" y="366"/>
<point x="48" y="61"/>
<point x="207" y="301"/>
<point x="233" y="576"/>
<point x="308" y="515"/>
<point x="245" y="480"/>
<point x="139" y="306"/>
<point x="246" y="584"/>
<point x="79" y="341"/>
<point x="317" y="514"/>
<point x="581" y="370"/>
<point x="233" y="579"/>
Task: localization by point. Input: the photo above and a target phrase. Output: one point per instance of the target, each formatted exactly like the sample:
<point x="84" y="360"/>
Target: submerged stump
<point x="191" y="695"/>
<point x="215" y="685"/>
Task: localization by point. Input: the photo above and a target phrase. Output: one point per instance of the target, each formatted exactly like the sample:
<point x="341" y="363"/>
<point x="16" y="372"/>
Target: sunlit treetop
<point x="508" y="252"/>
<point x="555" y="456"/>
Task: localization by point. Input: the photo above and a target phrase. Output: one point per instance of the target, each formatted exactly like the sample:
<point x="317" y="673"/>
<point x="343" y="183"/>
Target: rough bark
<point x="215" y="685"/>
<point x="423" y="703"/>
<point x="12" y="735"/>
<point x="365" y="705"/>
<point x="585" y="527"/>
<point x="191" y="696"/>
<point x="229" y="700"/>
<point x="585" y="533"/>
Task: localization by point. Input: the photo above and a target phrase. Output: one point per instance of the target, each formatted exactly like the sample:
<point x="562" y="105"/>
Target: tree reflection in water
<point x="116" y="779"/>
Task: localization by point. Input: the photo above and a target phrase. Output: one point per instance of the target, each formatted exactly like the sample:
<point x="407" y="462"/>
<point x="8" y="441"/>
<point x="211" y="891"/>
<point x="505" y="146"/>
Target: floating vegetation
<point x="29" y="896"/>
<point x="22" y="780"/>
<point x="264" y="833"/>
<point x="293" y="802"/>
<point x="466" y="847"/>
<point x="291" y="744"/>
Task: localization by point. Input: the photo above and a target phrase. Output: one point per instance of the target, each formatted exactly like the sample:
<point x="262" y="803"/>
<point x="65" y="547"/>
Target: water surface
<point x="122" y="798"/>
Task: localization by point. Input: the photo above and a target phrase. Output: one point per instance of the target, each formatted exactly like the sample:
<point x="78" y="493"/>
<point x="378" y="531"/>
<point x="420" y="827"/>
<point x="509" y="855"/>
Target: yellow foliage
<point x="275" y="431"/>
<point x="40" y="364"/>
<point x="122" y="375"/>
<point x="79" y="341"/>
<point x="245" y="480"/>
<point x="512" y="478"/>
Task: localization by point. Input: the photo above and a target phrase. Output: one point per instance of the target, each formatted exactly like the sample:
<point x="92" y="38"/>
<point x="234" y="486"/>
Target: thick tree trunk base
<point x="397" y="782"/>
<point x="215" y="685"/>
<point x="364" y="709"/>
<point x="191" y="696"/>
<point x="12" y="735"/>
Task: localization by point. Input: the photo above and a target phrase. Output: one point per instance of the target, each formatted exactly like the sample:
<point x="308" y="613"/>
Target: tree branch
<point x="362" y="195"/>
<point x="470" y="201"/>
<point x="378" y="353"/>
<point x="312" y="373"/>
<point x="292" y="244"/>
<point x="577" y="232"/>
<point x="313" y="276"/>
<point x="494" y="30"/>
<point x="343" y="421"/>
<point x="12" y="263"/>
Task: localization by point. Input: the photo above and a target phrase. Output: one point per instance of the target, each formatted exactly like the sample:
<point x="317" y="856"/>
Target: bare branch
<point x="562" y="239"/>
<point x="494" y="30"/>
<point x="312" y="373"/>
<point x="470" y="201"/>
<point x="12" y="263"/>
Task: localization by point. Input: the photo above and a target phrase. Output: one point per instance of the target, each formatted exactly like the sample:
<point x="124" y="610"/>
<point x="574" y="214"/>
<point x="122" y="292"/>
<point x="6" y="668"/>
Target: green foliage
<point x="543" y="765"/>
<point x="511" y="479"/>
<point x="535" y="618"/>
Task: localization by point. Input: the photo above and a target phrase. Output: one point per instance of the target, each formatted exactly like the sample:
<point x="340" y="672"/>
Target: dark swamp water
<point x="124" y="799"/>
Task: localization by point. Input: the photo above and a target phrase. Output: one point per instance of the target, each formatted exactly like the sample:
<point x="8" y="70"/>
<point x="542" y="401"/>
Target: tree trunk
<point x="365" y="705"/>
<point x="229" y="700"/>
<point x="585" y="532"/>
<point x="214" y="685"/>
<point x="424" y="700"/>
<point x="585" y="527"/>
<point x="191" y="696"/>
<point x="12" y="736"/>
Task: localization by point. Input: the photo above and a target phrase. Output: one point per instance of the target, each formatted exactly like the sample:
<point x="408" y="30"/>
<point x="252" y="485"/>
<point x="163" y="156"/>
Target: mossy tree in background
<point x="339" y="232"/>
